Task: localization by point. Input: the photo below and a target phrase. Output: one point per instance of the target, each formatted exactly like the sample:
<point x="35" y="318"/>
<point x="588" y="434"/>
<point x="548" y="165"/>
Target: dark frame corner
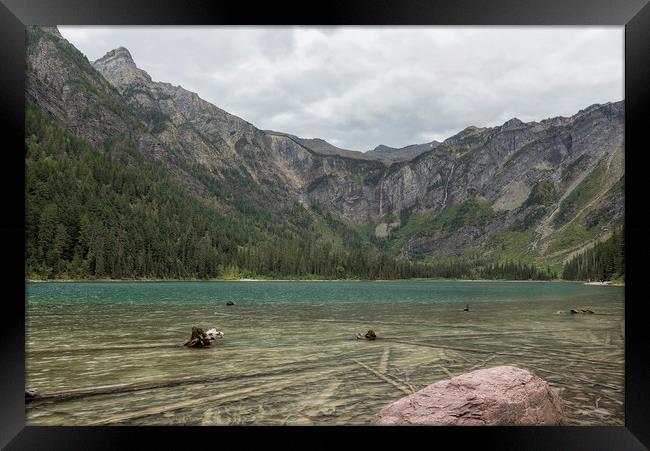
<point x="633" y="14"/>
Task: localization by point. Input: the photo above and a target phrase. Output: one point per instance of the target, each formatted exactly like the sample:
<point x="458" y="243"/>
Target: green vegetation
<point x="529" y="220"/>
<point x="573" y="169"/>
<point x="604" y="261"/>
<point x="472" y="211"/>
<point x="517" y="271"/>
<point x="516" y="154"/>
<point x="114" y="214"/>
<point x="571" y="235"/>
<point x="607" y="211"/>
<point x="117" y="214"/>
<point x="511" y="245"/>
<point x="157" y="120"/>
<point x="583" y="193"/>
<point x="543" y="193"/>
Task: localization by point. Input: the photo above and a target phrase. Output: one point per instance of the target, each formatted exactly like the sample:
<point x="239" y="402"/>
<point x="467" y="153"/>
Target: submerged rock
<point x="498" y="396"/>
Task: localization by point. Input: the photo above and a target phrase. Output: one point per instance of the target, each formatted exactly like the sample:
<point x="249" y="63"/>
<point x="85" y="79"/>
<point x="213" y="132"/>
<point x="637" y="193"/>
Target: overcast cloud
<point x="358" y="87"/>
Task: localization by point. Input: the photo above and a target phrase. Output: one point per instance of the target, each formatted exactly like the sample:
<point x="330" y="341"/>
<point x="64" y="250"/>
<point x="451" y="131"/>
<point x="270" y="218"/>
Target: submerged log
<point x="384" y="377"/>
<point x="235" y="395"/>
<point x="582" y="311"/>
<point x="499" y="396"/>
<point x="31" y="394"/>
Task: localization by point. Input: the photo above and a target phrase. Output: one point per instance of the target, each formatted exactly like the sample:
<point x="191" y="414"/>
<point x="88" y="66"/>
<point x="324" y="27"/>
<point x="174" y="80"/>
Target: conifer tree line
<point x="116" y="214"/>
<point x="605" y="261"/>
<point x="516" y="271"/>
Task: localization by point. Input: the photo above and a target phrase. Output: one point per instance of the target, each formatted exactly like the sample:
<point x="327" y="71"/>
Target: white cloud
<point x="360" y="87"/>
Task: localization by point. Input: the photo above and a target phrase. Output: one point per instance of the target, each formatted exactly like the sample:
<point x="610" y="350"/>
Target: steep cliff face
<point x="530" y="190"/>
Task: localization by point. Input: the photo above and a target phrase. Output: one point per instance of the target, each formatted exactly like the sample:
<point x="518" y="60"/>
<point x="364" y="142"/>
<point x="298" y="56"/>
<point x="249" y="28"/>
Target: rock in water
<point x="498" y="396"/>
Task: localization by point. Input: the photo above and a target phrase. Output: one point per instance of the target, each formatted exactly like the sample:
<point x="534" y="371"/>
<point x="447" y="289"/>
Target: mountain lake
<point x="290" y="357"/>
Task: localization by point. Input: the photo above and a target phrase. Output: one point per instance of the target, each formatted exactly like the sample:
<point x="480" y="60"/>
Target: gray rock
<point x="497" y="166"/>
<point x="498" y="396"/>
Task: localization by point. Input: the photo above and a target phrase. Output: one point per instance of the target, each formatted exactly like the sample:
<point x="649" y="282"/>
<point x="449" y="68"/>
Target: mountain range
<point x="536" y="192"/>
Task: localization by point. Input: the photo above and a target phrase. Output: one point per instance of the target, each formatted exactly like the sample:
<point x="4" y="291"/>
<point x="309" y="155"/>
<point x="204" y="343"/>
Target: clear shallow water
<point x="289" y="357"/>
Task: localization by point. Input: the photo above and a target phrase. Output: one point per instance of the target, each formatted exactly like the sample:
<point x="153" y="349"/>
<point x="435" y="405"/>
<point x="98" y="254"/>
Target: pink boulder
<point x="499" y="396"/>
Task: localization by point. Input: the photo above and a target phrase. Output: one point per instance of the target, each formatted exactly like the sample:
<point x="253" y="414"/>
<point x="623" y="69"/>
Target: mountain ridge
<point x="471" y="192"/>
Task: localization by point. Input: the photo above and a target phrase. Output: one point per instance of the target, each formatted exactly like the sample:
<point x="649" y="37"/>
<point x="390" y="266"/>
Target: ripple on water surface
<point x="288" y="356"/>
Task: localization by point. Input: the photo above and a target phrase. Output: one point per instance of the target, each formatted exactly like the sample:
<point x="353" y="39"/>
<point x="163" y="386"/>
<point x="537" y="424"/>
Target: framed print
<point x="354" y="219"/>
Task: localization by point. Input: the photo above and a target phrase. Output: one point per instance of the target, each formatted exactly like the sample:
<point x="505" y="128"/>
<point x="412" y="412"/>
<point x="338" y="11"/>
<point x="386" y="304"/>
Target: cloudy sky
<point x="358" y="87"/>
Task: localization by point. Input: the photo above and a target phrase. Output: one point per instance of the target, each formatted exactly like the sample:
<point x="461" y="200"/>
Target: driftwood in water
<point x="60" y="395"/>
<point x="383" y="377"/>
<point x="35" y="395"/>
<point x="199" y="339"/>
<point x="483" y="362"/>
<point x="583" y="311"/>
<point x="438" y="346"/>
<point x="370" y="335"/>
<point x="446" y="371"/>
<point x="235" y="395"/>
<point x="534" y="353"/>
<point x="31" y="394"/>
<point x="573" y="376"/>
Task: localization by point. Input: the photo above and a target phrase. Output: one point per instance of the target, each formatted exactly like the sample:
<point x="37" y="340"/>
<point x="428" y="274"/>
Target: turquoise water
<point x="289" y="357"/>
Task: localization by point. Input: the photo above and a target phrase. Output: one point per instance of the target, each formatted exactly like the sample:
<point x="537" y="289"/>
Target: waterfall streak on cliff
<point x="451" y="172"/>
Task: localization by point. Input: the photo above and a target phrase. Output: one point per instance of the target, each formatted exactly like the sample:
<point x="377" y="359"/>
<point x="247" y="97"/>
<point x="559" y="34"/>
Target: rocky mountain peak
<point x="119" y="53"/>
<point x="383" y="148"/>
<point x="513" y="124"/>
<point x="118" y="67"/>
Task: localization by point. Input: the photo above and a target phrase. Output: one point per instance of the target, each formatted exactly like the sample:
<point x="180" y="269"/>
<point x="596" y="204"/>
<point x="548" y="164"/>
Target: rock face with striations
<point x="450" y="197"/>
<point x="499" y="396"/>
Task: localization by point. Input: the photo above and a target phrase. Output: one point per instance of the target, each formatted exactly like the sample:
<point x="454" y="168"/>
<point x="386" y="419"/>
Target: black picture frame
<point x="16" y="14"/>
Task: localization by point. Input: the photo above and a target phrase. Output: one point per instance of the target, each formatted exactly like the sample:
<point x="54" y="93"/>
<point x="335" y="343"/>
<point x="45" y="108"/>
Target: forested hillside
<point x="132" y="178"/>
<point x="117" y="215"/>
<point x="604" y="261"/>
